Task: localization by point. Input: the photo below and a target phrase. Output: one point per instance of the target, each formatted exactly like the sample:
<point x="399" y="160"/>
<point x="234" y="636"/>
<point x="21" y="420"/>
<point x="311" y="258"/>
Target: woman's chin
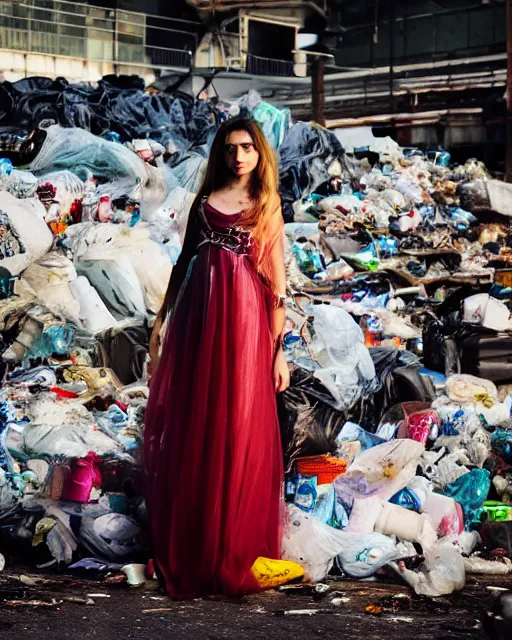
<point x="239" y="173"/>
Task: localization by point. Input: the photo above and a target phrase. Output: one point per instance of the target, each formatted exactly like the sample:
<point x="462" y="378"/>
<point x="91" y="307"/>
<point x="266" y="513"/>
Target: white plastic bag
<point x="93" y="313"/>
<point x="311" y="543"/>
<point x="442" y="573"/>
<point x="25" y="219"/>
<point x="478" y="565"/>
<point x="346" y="203"/>
<point x="347" y="369"/>
<point x="464" y="388"/>
<point x="50" y="278"/>
<point x="314" y="545"/>
<point x="382" y="470"/>
<point x="362" y="556"/>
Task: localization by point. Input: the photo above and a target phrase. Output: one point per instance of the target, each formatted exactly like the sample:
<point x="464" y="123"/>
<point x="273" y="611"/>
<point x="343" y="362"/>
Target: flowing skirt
<point x="212" y="448"/>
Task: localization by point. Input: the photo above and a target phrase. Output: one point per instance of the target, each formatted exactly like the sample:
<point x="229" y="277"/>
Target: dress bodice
<point x="220" y="230"/>
<point x="218" y="219"/>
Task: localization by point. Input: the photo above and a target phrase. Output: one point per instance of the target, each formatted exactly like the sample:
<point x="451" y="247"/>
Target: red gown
<point x="212" y="448"/>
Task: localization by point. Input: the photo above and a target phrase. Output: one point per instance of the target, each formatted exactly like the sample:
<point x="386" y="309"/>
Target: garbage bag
<point x="25" y="235"/>
<point x="117" y="283"/>
<point x="93" y="313"/>
<point x="400" y="380"/>
<point x="274" y="122"/>
<point x="309" y="425"/>
<point x="152" y="267"/>
<point x="189" y="172"/>
<point x="440" y="349"/>
<point x="315" y="545"/>
<point x="347" y="369"/>
<point x="305" y="155"/>
<point x="170" y="219"/>
<point x="442" y="573"/>
<point x="310" y="543"/>
<point x="113" y="537"/>
<point x="74" y="441"/>
<point x="85" y="154"/>
<point x="382" y="470"/>
<point x="50" y="278"/>
<point x="68" y="188"/>
<point x="124" y="350"/>
<point x="363" y="556"/>
<point x="55" y="340"/>
<point x="470" y="491"/>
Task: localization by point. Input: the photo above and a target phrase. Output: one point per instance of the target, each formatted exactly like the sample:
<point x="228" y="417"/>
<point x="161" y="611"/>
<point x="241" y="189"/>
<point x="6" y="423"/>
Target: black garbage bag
<point x="124" y="351"/>
<point x="305" y="155"/>
<point x="440" y="350"/>
<point x="398" y="372"/>
<point x="309" y="426"/>
<point x="485" y="353"/>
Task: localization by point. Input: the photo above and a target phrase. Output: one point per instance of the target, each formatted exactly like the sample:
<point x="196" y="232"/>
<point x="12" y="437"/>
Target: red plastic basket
<point x="325" y="468"/>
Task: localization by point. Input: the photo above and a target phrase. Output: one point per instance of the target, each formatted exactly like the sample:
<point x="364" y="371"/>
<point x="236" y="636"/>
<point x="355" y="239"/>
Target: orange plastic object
<point x="325" y="468"/>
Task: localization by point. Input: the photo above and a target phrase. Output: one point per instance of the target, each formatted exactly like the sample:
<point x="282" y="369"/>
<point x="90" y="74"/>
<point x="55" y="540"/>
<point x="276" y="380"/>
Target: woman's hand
<point x="281" y="372"/>
<point x="151" y="367"/>
<point x="154" y="350"/>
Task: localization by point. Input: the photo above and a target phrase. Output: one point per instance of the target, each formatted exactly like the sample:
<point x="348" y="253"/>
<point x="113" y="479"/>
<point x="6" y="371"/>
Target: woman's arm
<point x="278" y="319"/>
<point x="279" y="287"/>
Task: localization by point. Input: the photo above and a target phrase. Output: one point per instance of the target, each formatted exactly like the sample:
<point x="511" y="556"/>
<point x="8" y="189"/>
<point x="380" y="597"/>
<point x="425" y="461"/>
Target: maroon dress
<point x="212" y="446"/>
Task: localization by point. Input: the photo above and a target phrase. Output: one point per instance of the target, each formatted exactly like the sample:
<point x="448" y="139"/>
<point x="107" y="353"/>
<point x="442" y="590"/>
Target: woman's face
<point x="240" y="153"/>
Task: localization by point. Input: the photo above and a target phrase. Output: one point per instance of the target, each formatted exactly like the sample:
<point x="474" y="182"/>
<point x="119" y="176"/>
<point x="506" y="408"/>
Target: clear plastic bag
<point x="347" y="369"/>
<point x="442" y="573"/>
<point x="382" y="470"/>
<point x="315" y="545"/>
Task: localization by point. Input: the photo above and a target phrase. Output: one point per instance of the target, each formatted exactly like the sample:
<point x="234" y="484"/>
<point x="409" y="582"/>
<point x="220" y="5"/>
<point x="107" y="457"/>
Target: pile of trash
<point x="397" y="427"/>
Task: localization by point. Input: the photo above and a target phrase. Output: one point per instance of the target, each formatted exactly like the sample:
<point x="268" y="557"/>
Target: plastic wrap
<point x="382" y="470"/>
<point x="347" y="368"/>
<point x="442" y="573"/>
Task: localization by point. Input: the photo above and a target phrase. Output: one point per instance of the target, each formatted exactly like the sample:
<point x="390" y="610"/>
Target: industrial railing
<point x="227" y="5"/>
<point x="62" y="28"/>
<point x="267" y="67"/>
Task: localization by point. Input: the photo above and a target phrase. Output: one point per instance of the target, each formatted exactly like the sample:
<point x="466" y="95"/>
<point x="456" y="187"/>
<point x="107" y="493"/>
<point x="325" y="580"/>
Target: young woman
<point x="212" y="447"/>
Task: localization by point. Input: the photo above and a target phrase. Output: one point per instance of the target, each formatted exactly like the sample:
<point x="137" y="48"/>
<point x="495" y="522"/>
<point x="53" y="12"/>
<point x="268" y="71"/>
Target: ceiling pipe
<point x="439" y="64"/>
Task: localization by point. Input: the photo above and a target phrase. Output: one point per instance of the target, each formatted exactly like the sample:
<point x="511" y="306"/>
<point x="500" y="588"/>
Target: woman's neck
<point x="240" y="183"/>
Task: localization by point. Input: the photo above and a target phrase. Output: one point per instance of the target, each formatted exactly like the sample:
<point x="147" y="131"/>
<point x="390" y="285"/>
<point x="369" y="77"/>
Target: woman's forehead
<point x="239" y="137"/>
